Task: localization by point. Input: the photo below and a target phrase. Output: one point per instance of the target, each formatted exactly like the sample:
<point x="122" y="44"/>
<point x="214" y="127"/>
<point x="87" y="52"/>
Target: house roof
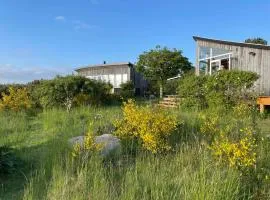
<point x="104" y="65"/>
<point x="250" y="45"/>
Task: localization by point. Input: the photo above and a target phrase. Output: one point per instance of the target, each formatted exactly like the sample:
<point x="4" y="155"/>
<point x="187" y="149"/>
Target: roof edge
<point x="103" y="65"/>
<point x="252" y="45"/>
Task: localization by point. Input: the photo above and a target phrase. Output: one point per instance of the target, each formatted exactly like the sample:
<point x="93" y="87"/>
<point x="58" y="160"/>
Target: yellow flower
<point x="152" y="126"/>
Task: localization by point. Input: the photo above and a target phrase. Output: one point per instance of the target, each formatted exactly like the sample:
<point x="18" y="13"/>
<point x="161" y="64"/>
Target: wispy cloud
<point x="76" y="24"/>
<point x="81" y="25"/>
<point x="60" y="18"/>
<point x="15" y="74"/>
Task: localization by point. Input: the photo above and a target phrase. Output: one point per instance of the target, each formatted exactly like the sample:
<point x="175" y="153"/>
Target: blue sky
<point x="39" y="39"/>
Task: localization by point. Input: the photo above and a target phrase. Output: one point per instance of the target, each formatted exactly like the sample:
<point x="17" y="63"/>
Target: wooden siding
<point x="115" y="74"/>
<point x="244" y="59"/>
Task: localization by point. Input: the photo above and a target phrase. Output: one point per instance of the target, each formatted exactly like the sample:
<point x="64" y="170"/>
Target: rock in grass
<point x="76" y="140"/>
<point x="110" y="143"/>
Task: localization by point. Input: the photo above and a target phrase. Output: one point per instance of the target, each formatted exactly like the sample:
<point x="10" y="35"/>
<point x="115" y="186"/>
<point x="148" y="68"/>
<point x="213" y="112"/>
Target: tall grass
<point x="48" y="170"/>
<point x="189" y="174"/>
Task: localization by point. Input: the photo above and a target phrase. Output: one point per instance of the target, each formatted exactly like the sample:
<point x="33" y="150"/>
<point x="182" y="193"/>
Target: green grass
<point x="46" y="169"/>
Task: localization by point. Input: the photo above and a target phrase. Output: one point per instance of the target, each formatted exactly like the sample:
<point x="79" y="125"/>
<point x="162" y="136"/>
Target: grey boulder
<point x="109" y="142"/>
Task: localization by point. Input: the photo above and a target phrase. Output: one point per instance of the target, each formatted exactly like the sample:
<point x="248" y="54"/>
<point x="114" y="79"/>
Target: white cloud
<point x="77" y="24"/>
<point x="81" y="25"/>
<point x="15" y="74"/>
<point x="60" y="18"/>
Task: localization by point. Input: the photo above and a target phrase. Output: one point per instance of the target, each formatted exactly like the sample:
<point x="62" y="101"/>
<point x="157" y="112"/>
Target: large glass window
<point x="211" y="60"/>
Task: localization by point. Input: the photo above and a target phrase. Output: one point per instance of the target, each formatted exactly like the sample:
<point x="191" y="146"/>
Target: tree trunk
<point x="161" y="90"/>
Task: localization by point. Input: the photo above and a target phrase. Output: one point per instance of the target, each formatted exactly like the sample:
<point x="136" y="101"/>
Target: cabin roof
<point x="104" y="65"/>
<point x="250" y="45"/>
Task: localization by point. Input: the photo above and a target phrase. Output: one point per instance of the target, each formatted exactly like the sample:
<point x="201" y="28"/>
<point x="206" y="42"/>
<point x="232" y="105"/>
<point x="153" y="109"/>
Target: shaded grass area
<point x="46" y="169"/>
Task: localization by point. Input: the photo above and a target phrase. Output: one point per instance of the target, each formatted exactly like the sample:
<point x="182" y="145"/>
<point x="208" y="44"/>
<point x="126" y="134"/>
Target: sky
<point x="44" y="38"/>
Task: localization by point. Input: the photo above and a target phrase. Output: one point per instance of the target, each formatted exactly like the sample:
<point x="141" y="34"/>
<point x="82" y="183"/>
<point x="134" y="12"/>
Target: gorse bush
<point x="89" y="145"/>
<point x="151" y="127"/>
<point x="225" y="88"/>
<point x="233" y="140"/>
<point x="16" y="99"/>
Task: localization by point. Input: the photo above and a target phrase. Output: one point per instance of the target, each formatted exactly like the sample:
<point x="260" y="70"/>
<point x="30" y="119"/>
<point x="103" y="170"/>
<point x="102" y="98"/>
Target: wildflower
<point x="149" y="125"/>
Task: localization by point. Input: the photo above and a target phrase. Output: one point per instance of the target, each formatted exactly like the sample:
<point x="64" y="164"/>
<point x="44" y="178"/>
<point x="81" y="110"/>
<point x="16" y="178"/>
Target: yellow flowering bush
<point x="16" y="99"/>
<point x="150" y="126"/>
<point x="240" y="154"/>
<point x="89" y="144"/>
<point x="210" y="125"/>
<point x="232" y="140"/>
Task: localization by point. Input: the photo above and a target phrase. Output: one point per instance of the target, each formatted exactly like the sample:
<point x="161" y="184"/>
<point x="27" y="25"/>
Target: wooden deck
<point x="263" y="101"/>
<point x="169" y="101"/>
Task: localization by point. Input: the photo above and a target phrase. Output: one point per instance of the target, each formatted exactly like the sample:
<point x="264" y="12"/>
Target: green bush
<point x="170" y="87"/>
<point x="127" y="90"/>
<point x="229" y="87"/>
<point x="69" y="91"/>
<point x="191" y="90"/>
<point x="226" y="88"/>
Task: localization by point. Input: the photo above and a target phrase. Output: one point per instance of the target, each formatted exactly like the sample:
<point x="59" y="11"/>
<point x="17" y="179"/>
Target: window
<point x="212" y="60"/>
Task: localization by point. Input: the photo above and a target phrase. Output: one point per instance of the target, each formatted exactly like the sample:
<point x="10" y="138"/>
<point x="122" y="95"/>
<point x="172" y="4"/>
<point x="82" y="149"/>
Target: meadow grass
<point x="48" y="171"/>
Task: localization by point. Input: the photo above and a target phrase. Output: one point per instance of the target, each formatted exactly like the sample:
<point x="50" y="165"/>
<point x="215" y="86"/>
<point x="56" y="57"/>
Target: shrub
<point x="232" y="140"/>
<point x="88" y="146"/>
<point x="229" y="87"/>
<point x="16" y="99"/>
<point x="69" y="91"/>
<point x="127" y="90"/>
<point x="240" y="154"/>
<point x="151" y="127"/>
<point x="171" y="86"/>
<point x="191" y="90"/>
<point x="226" y="88"/>
<point x="5" y="87"/>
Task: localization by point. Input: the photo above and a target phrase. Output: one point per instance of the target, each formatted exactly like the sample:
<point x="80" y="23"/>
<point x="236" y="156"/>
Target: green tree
<point x="159" y="64"/>
<point x="257" y="40"/>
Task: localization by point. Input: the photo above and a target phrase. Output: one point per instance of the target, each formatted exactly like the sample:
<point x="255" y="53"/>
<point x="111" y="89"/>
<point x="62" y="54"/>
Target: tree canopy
<point x="162" y="63"/>
<point x="257" y="40"/>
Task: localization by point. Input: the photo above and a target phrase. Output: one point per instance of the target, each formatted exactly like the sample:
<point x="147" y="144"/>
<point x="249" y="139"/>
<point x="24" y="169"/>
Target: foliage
<point x="233" y="140"/>
<point x="5" y="87"/>
<point x="240" y="154"/>
<point x="171" y="86"/>
<point x="16" y="99"/>
<point x="159" y="64"/>
<point x="191" y="90"/>
<point x="127" y="90"/>
<point x="89" y="145"/>
<point x="151" y="126"/>
<point x="257" y="40"/>
<point x="7" y="160"/>
<point x="70" y="90"/>
<point x="190" y="172"/>
<point x="227" y="88"/>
